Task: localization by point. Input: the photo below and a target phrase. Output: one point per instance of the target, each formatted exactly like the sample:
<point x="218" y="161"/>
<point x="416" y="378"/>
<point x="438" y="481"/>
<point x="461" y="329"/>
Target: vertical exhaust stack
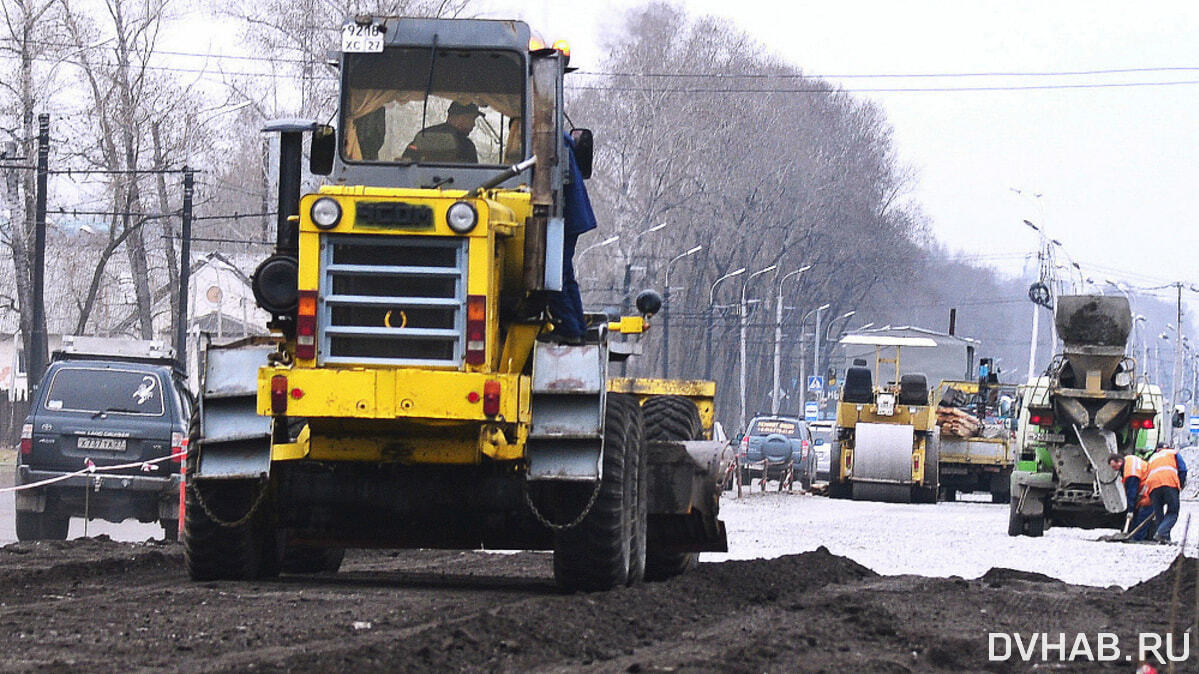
<point x="275" y="282"/>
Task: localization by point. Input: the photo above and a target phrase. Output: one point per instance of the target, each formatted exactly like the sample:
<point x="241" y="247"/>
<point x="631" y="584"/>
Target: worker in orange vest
<point x="1133" y="470"/>
<point x="1166" y="477"/>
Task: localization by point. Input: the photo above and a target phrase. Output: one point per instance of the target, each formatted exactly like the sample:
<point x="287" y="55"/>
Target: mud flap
<point x="568" y="399"/>
<point x="235" y="442"/>
<point x="1029" y="491"/>
<point x="684" y="493"/>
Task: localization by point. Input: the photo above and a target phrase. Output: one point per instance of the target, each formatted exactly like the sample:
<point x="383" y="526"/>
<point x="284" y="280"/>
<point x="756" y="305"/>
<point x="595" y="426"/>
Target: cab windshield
<point x="443" y="106"/>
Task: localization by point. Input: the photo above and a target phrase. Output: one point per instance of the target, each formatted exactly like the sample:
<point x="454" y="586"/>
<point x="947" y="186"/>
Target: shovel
<point x="1126" y="535"/>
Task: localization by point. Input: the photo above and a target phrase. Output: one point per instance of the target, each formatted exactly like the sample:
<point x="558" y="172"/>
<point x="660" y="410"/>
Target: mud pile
<point x="108" y="606"/>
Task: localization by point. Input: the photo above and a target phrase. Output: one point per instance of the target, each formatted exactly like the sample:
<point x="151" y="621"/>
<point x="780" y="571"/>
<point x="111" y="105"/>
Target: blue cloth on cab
<point x="567" y="306"/>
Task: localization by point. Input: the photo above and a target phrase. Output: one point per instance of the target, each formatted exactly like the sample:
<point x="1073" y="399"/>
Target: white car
<point x="822" y="438"/>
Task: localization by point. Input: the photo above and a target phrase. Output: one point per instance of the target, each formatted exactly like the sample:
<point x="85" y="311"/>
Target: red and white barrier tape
<point x="90" y="468"/>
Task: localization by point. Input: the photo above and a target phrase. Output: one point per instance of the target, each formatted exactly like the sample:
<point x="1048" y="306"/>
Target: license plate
<point x="103" y="444"/>
<point x="359" y="38"/>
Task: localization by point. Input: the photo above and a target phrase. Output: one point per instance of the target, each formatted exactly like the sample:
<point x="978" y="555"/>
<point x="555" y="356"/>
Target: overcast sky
<point x="1117" y="167"/>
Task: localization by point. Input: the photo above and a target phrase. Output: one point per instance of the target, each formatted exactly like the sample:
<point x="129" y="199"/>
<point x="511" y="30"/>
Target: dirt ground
<point x="104" y="606"/>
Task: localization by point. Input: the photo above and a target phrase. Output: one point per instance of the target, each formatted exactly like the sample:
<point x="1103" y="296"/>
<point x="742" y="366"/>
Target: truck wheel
<point x="307" y="559"/>
<point x="674" y="418"/>
<point x="805" y="478"/>
<point x="595" y="554"/>
<point x="670" y="418"/>
<point x="1001" y="487"/>
<point x="1035" y="526"/>
<point x="638" y="482"/>
<point x="216" y="550"/>
<point x="1015" y="521"/>
<point x="41" y="527"/>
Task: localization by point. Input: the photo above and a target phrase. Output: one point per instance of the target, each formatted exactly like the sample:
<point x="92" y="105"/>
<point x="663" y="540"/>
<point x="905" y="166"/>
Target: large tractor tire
<point x="224" y="525"/>
<point x="671" y="418"/>
<point x="638" y="481"/>
<point x="41" y="527"/>
<point x="596" y="554"/>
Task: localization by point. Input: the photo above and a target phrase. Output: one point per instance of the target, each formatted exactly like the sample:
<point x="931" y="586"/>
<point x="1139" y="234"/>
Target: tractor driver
<point x="448" y="142"/>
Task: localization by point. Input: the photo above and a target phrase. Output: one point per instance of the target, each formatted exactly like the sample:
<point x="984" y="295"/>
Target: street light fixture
<point x="708" y="324"/>
<point x="778" y="337"/>
<point x="803" y="380"/>
<point x="606" y="242"/>
<point x="666" y="310"/>
<point x="744" y="328"/>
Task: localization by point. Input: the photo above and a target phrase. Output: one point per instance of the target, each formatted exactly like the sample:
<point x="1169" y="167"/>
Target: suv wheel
<point x="41" y="527"/>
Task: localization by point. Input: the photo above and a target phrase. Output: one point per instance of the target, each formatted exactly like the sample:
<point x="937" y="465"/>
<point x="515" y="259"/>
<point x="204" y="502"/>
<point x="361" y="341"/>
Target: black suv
<point x="103" y="411"/>
<point x="772" y="443"/>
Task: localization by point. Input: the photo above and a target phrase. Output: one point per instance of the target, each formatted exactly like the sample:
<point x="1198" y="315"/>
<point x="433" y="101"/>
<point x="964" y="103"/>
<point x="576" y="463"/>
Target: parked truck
<point x="1087" y="405"/>
<point x="976" y="438"/>
<point x="885" y="449"/>
<point x="413" y="393"/>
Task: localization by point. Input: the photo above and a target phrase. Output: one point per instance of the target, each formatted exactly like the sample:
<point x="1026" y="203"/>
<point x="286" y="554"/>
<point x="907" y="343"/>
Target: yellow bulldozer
<point x="412" y="393"/>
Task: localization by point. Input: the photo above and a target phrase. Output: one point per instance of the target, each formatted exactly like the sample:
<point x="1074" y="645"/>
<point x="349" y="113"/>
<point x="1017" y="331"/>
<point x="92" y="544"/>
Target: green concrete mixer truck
<point x="1088" y="403"/>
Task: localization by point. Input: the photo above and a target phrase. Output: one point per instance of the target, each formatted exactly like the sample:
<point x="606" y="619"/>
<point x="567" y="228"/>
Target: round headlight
<point x="326" y="213"/>
<point x="461" y="217"/>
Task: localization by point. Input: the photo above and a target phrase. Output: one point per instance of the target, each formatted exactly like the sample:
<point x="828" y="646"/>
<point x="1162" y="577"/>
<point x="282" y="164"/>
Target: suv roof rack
<point x="79" y="347"/>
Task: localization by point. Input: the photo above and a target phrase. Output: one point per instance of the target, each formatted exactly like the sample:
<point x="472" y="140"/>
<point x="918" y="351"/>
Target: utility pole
<point x="744" y="326"/>
<point x="816" y="345"/>
<point x="1176" y="374"/>
<point x="666" y="310"/>
<point x="185" y="248"/>
<point x="778" y="338"/>
<point x="36" y="360"/>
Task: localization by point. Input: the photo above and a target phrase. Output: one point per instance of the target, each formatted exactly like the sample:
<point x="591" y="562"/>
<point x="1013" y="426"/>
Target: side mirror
<point x="322" y="150"/>
<point x="584" y="149"/>
<point x="1179" y="419"/>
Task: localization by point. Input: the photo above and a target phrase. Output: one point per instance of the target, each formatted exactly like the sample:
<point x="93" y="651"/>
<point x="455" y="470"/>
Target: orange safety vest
<point x="1135" y="466"/>
<point x="1163" y="471"/>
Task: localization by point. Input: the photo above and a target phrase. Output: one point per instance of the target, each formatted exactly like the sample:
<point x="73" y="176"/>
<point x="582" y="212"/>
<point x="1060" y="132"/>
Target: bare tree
<point x="32" y="34"/>
<point x="722" y="148"/>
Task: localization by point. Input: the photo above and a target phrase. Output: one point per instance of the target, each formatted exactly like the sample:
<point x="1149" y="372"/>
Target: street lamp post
<point x="828" y="331"/>
<point x="744" y="326"/>
<point x="628" y="267"/>
<point x="708" y="325"/>
<point x="778" y="337"/>
<point x="803" y="380"/>
<point x="666" y="311"/>
<point x="606" y="242"/>
<point x="816" y="343"/>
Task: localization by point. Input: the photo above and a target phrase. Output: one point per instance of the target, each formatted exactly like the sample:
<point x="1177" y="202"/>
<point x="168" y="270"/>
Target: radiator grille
<point x="392" y="299"/>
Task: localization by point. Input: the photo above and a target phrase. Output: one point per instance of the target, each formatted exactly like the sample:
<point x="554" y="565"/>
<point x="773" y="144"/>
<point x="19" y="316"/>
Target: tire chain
<point x="229" y="524"/>
<point x="570" y="525"/>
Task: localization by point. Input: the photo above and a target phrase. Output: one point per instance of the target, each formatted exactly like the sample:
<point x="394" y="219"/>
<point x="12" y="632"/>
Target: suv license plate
<point x="103" y="444"/>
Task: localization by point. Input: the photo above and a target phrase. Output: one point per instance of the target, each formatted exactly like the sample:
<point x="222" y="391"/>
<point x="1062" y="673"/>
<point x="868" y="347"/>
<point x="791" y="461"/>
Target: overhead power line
<point x="809" y="75"/>
<point x="881" y="90"/>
